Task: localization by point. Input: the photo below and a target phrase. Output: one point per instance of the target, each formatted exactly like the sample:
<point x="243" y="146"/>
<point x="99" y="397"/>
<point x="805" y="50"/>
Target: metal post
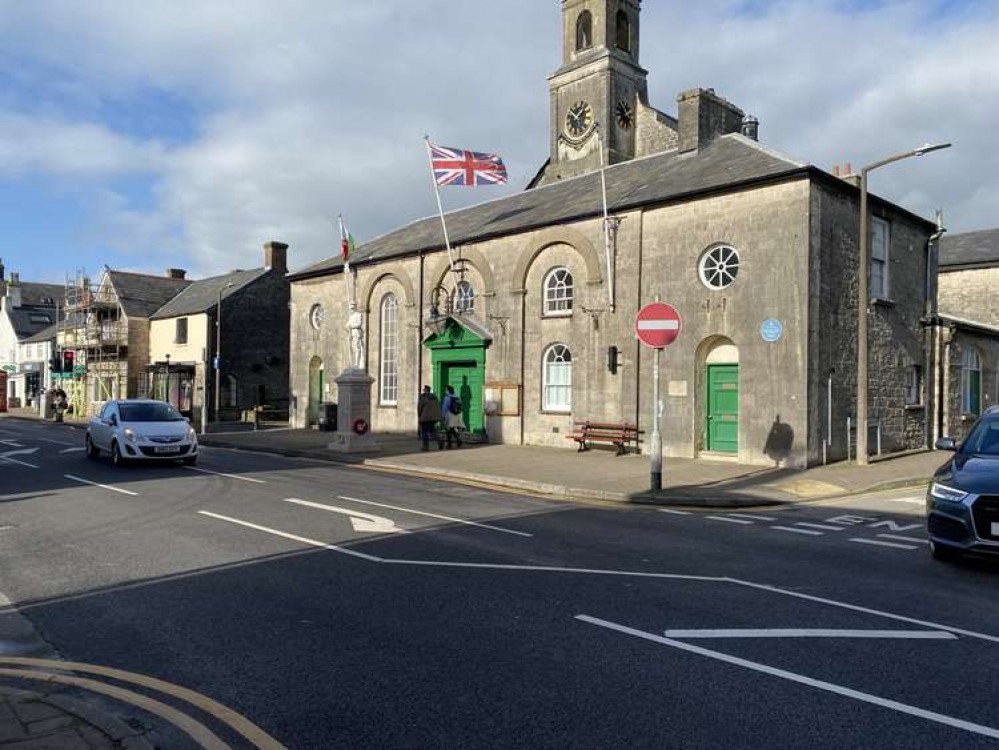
<point x="217" y="362"/>
<point x="863" y="302"/>
<point x="657" y="438"/>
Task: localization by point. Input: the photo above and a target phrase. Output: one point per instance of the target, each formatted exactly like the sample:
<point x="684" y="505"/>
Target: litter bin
<point x="327" y="417"/>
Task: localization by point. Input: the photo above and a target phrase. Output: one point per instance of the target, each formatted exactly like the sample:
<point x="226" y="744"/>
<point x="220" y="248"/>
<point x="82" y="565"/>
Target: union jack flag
<point x="455" y="166"/>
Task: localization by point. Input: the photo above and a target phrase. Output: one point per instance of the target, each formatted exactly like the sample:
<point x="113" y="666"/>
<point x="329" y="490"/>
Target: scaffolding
<point x="94" y="328"/>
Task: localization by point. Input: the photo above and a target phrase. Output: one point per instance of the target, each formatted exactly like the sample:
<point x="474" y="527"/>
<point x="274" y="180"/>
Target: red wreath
<point x="361" y="427"/>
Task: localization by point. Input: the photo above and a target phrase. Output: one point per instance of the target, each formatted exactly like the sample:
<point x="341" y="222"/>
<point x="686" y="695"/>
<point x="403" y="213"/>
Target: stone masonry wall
<point x="970" y="294"/>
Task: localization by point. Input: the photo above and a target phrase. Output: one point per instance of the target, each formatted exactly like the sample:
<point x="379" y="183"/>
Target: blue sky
<point x="187" y="134"/>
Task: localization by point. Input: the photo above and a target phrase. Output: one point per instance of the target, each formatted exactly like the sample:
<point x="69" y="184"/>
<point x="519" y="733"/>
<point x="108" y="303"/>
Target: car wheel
<point x="92" y="450"/>
<point x="944" y="553"/>
<point x="190" y="460"/>
<point x="117" y="460"/>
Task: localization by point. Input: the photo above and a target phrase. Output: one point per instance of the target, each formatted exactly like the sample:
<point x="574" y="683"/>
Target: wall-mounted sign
<point x="772" y="330"/>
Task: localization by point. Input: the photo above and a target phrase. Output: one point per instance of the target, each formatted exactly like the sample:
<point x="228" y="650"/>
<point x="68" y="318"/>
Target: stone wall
<point x="970" y="294"/>
<point x="956" y="421"/>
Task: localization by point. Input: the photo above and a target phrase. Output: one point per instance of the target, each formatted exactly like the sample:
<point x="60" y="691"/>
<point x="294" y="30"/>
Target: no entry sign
<point x="658" y="325"/>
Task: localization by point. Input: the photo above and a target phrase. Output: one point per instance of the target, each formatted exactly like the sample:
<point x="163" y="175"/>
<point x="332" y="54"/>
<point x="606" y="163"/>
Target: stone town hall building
<point x="729" y="231"/>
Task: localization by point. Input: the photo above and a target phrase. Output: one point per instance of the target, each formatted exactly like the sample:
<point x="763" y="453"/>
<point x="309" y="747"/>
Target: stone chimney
<point x="176" y="273"/>
<point x="703" y="116"/>
<point x="276" y="256"/>
<point x="751" y="127"/>
<point x="14" y="291"/>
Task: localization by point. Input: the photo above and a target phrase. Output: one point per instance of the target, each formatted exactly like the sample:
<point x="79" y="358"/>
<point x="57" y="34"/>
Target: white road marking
<point x="364" y="522"/>
<point x="902" y="538"/>
<point x="12" y="443"/>
<point x="797" y="531"/>
<point x="751" y="517"/>
<point x="876" y="543"/>
<point x="783" y="674"/>
<point x="820" y="526"/>
<point x="675" y="512"/>
<point x="930" y="635"/>
<point x="72" y="450"/>
<point x="102" y="486"/>
<point x="909" y="500"/>
<point x="8" y="457"/>
<point x="223" y="474"/>
<point x="729" y="520"/>
<point x="293" y="537"/>
<point x="57" y="442"/>
<point x="892" y="526"/>
<point x="19" y="463"/>
<point x="435" y="515"/>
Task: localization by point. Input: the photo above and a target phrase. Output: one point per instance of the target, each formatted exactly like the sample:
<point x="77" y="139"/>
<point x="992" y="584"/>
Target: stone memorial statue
<point x="355" y="329"/>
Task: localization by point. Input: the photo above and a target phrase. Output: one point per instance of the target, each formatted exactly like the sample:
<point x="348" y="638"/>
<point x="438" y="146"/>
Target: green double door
<point x="723" y="408"/>
<point x="468" y="381"/>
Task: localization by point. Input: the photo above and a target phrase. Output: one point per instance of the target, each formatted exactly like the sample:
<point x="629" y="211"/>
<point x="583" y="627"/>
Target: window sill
<point x="914" y="407"/>
<point x="878" y="302"/>
<point x="556" y="315"/>
<point x="388" y="406"/>
<point x="557" y="412"/>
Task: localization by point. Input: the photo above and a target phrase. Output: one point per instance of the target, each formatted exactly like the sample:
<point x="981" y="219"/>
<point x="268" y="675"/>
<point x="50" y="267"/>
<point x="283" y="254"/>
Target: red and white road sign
<point x="658" y="325"/>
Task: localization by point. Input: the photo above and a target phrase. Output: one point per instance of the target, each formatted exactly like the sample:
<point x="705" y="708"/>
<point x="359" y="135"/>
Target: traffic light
<point x="68" y="359"/>
<point x="55" y="364"/>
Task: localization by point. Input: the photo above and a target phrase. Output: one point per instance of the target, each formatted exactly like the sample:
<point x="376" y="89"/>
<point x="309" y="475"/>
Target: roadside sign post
<point x="657" y="326"/>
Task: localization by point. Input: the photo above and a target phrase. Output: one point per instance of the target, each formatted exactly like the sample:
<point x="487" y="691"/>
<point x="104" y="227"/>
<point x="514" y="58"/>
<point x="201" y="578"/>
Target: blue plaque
<point x="772" y="330"/>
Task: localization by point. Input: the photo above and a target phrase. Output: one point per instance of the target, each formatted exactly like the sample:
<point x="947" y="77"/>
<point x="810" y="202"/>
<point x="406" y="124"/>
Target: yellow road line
<point x="239" y="723"/>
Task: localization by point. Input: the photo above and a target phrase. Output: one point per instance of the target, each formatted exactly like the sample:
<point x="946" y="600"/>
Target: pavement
<point x="278" y="602"/>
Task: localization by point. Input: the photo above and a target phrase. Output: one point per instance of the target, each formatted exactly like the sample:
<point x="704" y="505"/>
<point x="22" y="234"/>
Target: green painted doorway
<point x="723" y="408"/>
<point x="458" y="359"/>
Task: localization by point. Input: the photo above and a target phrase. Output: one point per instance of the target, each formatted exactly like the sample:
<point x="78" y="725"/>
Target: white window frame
<point x="560" y="355"/>
<point x="464" y="297"/>
<point x="971" y="362"/>
<point x="913" y="386"/>
<point x="880" y="258"/>
<point x="718" y="267"/>
<point x="388" y="351"/>
<point x="558" y="295"/>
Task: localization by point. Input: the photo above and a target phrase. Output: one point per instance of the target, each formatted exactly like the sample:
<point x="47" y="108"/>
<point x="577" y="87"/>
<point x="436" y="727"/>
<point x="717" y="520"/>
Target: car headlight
<point x="943" y="492"/>
<point x="192" y="436"/>
<point x="129" y="434"/>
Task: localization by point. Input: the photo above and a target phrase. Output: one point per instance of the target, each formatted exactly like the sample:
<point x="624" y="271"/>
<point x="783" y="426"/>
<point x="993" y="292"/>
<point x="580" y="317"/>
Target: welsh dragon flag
<point x="347" y="244"/>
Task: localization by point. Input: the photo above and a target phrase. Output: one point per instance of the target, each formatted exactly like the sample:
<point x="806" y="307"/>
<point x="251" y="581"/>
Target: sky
<point x="187" y="134"/>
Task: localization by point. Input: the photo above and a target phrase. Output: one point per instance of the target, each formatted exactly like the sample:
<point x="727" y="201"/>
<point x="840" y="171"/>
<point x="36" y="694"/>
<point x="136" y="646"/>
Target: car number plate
<point x="995" y="529"/>
<point x="168" y="449"/>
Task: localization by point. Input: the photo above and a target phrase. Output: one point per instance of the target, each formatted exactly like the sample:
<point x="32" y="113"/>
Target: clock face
<point x="317" y="316"/>
<point x="625" y="118"/>
<point x="579" y="120"/>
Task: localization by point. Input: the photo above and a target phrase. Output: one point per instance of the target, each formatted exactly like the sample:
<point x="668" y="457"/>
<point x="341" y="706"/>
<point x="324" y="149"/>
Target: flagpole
<point x="346" y="263"/>
<point x="607" y="224"/>
<point x="440" y="208"/>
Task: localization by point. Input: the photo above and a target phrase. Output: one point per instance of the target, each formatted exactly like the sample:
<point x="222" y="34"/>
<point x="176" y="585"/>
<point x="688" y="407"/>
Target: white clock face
<point x="317" y="316"/>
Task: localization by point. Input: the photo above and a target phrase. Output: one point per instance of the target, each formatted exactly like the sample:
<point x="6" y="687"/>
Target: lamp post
<point x="218" y="351"/>
<point x="863" y="294"/>
<point x="167" y="390"/>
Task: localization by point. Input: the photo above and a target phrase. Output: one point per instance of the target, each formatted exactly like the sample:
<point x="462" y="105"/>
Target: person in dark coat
<point x="429" y="414"/>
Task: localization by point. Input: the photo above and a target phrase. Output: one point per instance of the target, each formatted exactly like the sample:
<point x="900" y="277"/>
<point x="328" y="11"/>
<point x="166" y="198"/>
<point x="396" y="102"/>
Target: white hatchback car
<point x="141" y="428"/>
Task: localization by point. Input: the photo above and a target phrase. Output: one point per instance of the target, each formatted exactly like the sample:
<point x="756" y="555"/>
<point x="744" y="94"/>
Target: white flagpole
<point x="440" y="207"/>
<point x="346" y="264"/>
<point x="607" y="224"/>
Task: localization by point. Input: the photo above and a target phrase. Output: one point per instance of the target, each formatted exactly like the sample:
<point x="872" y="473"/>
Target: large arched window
<point x="464" y="297"/>
<point x="971" y="381"/>
<point x="388" y="360"/>
<point x="623" y="31"/>
<point x="584" y="31"/>
<point x="556" y="384"/>
<point x="558" y="289"/>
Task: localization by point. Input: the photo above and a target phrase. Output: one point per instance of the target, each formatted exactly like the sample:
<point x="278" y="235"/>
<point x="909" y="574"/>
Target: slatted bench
<point x="619" y="434"/>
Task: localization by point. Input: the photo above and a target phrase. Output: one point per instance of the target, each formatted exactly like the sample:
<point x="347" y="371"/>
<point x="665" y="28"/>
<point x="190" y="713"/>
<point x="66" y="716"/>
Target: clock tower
<point x="599" y="93"/>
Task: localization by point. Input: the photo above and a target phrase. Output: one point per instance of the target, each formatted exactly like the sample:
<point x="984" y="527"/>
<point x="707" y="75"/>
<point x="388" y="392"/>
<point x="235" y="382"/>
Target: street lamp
<point x="863" y="294"/>
<point x="437" y="320"/>
<point x="218" y="351"/>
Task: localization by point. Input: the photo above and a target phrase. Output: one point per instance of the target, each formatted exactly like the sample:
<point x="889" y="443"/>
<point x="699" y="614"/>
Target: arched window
<point x="464" y="297"/>
<point x="623" y="31"/>
<point x="971" y="381"/>
<point x="388" y="368"/>
<point x="557" y="379"/>
<point x="584" y="31"/>
<point x="558" y="292"/>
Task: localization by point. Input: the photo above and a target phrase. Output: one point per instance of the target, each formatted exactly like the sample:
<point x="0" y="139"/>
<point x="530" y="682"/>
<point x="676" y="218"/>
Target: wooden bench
<point x="619" y="434"/>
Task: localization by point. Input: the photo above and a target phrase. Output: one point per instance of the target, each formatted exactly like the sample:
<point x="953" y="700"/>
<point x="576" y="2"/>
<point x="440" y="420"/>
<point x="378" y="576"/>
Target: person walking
<point x="428" y="412"/>
<point x="453" y="419"/>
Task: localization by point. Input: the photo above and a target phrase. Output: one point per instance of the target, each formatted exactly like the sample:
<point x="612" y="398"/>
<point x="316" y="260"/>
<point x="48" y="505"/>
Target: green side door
<point x="723" y="408"/>
<point x="468" y="380"/>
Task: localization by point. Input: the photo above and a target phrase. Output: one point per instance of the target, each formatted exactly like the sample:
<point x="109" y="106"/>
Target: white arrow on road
<point x="8" y="456"/>
<point x="364" y="522"/>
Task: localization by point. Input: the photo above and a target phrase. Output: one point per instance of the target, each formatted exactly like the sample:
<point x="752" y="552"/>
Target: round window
<point x="718" y="267"/>
<point x="316" y="316"/>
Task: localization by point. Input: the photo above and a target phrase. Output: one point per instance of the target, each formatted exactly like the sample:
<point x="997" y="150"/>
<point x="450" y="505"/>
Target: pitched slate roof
<point x="140" y="295"/>
<point x="28" y="320"/>
<point x="203" y="295"/>
<point x="44" y="295"/>
<point x="969" y="250"/>
<point x="728" y="161"/>
<point x="46" y="334"/>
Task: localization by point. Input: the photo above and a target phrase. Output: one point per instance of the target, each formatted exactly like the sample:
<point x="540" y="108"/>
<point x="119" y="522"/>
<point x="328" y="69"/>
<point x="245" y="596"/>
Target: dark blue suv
<point x="962" y="505"/>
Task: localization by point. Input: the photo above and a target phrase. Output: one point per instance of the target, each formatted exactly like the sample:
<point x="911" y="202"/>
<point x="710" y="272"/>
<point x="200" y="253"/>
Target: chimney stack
<point x="14" y="291"/>
<point x="176" y="273"/>
<point x="2" y="270"/>
<point x="276" y="256"/>
<point x="703" y="116"/>
<point x="751" y="127"/>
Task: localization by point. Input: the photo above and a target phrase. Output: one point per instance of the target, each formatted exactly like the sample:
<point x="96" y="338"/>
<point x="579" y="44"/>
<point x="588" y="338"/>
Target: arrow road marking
<point x="830" y="687"/>
<point x="12" y="443"/>
<point x="931" y="635"/>
<point x="364" y="522"/>
<point x="22" y="452"/>
<point x="462" y="521"/>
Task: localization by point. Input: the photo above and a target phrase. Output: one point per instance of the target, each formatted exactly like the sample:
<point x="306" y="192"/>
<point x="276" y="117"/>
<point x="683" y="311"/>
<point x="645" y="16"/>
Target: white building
<point x="28" y="314"/>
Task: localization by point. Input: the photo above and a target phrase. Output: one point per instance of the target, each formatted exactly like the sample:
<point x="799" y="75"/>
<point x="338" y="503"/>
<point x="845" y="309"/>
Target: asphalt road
<point x="339" y="607"/>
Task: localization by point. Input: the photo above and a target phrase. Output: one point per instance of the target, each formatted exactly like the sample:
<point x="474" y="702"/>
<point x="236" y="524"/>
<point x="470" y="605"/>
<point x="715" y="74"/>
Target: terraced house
<point x="757" y="250"/>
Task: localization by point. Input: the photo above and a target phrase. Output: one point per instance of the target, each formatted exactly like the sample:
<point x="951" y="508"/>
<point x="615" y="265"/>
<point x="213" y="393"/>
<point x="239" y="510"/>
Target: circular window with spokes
<point x="718" y="267"/>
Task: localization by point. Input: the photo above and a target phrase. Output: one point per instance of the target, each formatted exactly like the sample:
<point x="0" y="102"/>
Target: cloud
<point x="255" y="120"/>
